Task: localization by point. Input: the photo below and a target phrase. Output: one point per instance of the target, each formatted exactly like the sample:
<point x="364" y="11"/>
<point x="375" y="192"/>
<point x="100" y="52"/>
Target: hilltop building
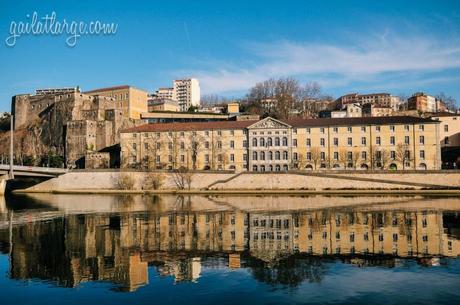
<point x="163" y="93"/>
<point x="425" y="103"/>
<point x="133" y="101"/>
<point x="380" y="99"/>
<point x="163" y="105"/>
<point x="187" y="93"/>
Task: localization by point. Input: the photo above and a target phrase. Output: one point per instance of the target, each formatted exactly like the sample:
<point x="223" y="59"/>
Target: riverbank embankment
<point x="330" y="182"/>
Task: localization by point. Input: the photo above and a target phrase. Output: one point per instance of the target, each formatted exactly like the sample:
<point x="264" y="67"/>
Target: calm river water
<point x="72" y="249"/>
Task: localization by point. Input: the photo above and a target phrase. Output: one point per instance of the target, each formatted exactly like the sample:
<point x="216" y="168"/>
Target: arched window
<point x="285" y="141"/>
<point x="262" y="142"/>
<point x="254" y="155"/>
<point x="270" y="168"/>
<point x="270" y="155"/>
<point x="254" y="168"/>
<point x="269" y="142"/>
<point x="254" y="142"/>
<point x="262" y="168"/>
<point x="277" y="141"/>
<point x="262" y="155"/>
<point x="277" y="168"/>
<point x="277" y="155"/>
<point x="285" y="155"/>
<point x="285" y="167"/>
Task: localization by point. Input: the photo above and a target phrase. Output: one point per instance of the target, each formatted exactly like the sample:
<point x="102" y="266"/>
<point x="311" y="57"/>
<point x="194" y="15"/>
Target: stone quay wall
<point x="315" y="181"/>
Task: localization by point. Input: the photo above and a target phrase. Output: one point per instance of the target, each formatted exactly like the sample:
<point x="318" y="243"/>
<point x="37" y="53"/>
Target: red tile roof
<point x="159" y="127"/>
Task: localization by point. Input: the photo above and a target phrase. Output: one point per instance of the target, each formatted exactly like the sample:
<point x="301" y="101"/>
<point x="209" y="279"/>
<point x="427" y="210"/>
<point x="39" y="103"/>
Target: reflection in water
<point x="288" y="242"/>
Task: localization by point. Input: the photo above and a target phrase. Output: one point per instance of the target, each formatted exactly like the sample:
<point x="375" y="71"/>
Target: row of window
<point x="364" y="155"/>
<point x="270" y="155"/>
<point x="262" y="142"/>
<point x="220" y="158"/>
<point x="270" y="168"/>
<point x="182" y="133"/>
<point x="363" y="129"/>
<point x="277" y="155"/>
<point x="279" y="235"/>
<point x="378" y="141"/>
<point x="308" y="130"/>
<point x="366" y="237"/>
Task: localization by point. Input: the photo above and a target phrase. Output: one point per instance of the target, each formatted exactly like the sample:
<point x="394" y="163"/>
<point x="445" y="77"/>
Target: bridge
<point x="32" y="171"/>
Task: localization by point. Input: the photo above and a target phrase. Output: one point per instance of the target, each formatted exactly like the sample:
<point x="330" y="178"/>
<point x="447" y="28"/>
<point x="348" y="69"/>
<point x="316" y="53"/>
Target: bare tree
<point x="287" y="92"/>
<point x="301" y="161"/>
<point x="310" y="94"/>
<point x="382" y="156"/>
<point x="449" y="101"/>
<point x="182" y="178"/>
<point x="343" y="157"/>
<point x="402" y="154"/>
<point x="283" y="98"/>
<point x="355" y="157"/>
<point x="315" y="156"/>
<point x="298" y="163"/>
<point x="196" y="143"/>
<point x="152" y="145"/>
<point x="214" y="100"/>
<point x="173" y="146"/>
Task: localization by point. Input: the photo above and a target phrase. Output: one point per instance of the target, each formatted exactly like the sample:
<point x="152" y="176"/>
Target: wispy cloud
<point x="337" y="65"/>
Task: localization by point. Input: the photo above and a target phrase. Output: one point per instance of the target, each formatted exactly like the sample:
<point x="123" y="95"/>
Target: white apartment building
<point x="187" y="93"/>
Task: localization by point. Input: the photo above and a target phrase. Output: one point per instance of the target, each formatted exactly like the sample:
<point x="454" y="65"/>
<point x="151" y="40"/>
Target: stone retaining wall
<point x="99" y="180"/>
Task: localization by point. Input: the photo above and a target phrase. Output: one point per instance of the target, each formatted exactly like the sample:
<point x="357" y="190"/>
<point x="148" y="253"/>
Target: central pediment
<point x="269" y="123"/>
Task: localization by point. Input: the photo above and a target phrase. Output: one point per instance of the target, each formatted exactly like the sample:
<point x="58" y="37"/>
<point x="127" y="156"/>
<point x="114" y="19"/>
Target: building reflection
<point x="278" y="246"/>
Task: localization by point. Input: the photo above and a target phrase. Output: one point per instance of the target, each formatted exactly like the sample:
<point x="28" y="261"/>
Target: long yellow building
<point x="399" y="142"/>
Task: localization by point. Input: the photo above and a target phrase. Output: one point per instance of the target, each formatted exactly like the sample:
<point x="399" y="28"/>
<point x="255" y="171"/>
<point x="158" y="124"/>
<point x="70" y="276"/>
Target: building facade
<point x="273" y="145"/>
<point x="75" y="123"/>
<point x="449" y="136"/>
<point x="163" y="105"/>
<point x="187" y="93"/>
<point x="376" y="110"/>
<point x="133" y="101"/>
<point x="381" y="99"/>
<point x="425" y="103"/>
<point x="164" y="93"/>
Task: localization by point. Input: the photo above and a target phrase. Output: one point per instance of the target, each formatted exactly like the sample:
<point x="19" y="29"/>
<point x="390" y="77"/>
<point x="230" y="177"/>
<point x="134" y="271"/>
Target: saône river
<point x="104" y="249"/>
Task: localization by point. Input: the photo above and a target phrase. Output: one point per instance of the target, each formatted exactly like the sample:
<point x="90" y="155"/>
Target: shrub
<point x="153" y="181"/>
<point x="125" y="182"/>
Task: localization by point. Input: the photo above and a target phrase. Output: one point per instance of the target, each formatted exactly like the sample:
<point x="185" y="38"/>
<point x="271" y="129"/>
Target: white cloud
<point x="336" y="65"/>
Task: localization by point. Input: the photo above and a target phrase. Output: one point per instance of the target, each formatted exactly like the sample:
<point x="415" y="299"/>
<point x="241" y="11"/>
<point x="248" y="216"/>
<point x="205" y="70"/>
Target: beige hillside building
<point x="132" y="100"/>
<point x="273" y="145"/>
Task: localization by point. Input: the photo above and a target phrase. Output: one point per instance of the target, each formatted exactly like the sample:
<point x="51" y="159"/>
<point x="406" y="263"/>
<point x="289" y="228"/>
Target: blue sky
<point x="347" y="46"/>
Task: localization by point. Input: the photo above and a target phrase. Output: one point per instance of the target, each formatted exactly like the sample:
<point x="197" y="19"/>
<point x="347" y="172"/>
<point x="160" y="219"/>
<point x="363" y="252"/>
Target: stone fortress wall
<point x="70" y="123"/>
